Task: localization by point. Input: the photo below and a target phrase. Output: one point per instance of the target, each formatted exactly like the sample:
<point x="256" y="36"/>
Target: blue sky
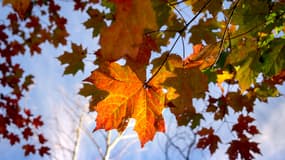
<point x="55" y="97"/>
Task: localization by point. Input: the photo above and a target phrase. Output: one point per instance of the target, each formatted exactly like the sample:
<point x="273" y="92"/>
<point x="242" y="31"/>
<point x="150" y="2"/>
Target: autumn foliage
<point x="234" y="42"/>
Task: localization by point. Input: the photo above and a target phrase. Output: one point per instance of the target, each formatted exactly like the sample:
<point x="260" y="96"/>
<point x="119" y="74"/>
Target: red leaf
<point x="244" y="148"/>
<point x="78" y="5"/>
<point x="208" y="139"/>
<point x="243" y="125"/>
<point x="42" y="139"/>
<point x="44" y="151"/>
<point x="29" y="149"/>
<point x="33" y="23"/>
<point x="37" y="122"/>
<point x="28" y="112"/>
<point x="13" y="138"/>
<point x="27" y="133"/>
<point x="3" y="35"/>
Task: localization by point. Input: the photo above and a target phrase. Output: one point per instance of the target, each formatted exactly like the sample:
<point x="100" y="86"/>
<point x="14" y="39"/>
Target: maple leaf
<point x="125" y="34"/>
<point x="42" y="139"/>
<point x="128" y="98"/>
<point x="181" y="84"/>
<point x="13" y="138"/>
<point x="181" y="89"/>
<point x="244" y="147"/>
<point x="37" y="122"/>
<point x="20" y="6"/>
<point x="209" y="139"/>
<point x="202" y="56"/>
<point x="44" y="151"/>
<point x="27" y="133"/>
<point x="27" y="82"/>
<point x="59" y="36"/>
<point x="238" y="101"/>
<point x="78" y="5"/>
<point x="213" y="7"/>
<point x="96" y="21"/>
<point x="29" y="149"/>
<point x="73" y="59"/>
<point x="218" y="106"/>
<point x="96" y="94"/>
<point x="274" y="54"/>
<point x="246" y="75"/>
<point x="265" y="90"/>
<point x="243" y="125"/>
<point x="203" y="31"/>
<point x="245" y="14"/>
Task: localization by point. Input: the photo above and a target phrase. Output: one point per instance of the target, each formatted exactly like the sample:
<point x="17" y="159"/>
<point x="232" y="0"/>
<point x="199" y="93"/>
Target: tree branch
<point x="225" y="32"/>
<point x="175" y="42"/>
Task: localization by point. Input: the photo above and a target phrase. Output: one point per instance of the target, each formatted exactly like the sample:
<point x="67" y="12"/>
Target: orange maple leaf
<point x="202" y="56"/>
<point x="128" y="98"/>
<point x="125" y="35"/>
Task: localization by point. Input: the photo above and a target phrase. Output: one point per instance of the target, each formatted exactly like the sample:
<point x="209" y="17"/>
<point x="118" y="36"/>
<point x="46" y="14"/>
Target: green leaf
<point x="212" y="75"/>
<point x="73" y="59"/>
<point x="28" y="81"/>
<point x="196" y="120"/>
<point x="213" y="7"/>
<point x="96" y="94"/>
<point x="203" y="31"/>
<point x="246" y="75"/>
<point x="162" y="11"/>
<point x="274" y="57"/>
<point x="247" y="12"/>
<point x="265" y="90"/>
<point x="95" y="21"/>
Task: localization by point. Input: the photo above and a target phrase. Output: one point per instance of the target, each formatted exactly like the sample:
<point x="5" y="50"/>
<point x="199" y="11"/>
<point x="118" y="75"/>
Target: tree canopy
<point x="237" y="43"/>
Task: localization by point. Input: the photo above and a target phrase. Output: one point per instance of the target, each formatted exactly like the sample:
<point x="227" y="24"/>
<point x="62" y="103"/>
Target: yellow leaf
<point x="224" y="76"/>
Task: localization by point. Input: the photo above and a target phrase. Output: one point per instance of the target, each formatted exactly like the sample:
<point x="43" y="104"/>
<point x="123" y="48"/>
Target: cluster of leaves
<point x="232" y="51"/>
<point x="22" y="33"/>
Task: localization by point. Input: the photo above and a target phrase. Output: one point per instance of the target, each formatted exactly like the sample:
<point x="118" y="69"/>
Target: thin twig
<point x="94" y="142"/>
<point x="175" y="42"/>
<point x="77" y="138"/>
<point x="164" y="61"/>
<point x="225" y="32"/>
<point x="175" y="146"/>
<point x="176" y="3"/>
<point x="198" y="13"/>
<point x="191" y="146"/>
<point x="180" y="14"/>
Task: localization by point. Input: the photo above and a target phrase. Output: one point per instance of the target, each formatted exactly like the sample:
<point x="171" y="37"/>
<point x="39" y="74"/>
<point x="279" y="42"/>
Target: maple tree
<point x="233" y="44"/>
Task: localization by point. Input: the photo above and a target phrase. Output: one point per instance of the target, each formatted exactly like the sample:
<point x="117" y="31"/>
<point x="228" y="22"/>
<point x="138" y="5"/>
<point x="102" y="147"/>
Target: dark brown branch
<point x="176" y="3"/>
